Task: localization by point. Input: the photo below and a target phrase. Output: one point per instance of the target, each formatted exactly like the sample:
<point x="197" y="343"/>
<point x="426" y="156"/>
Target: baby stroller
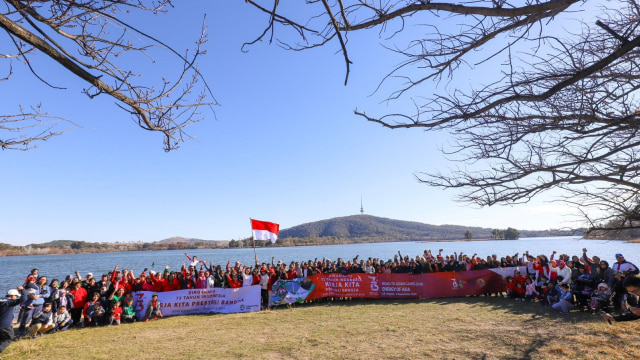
<point x="583" y="288"/>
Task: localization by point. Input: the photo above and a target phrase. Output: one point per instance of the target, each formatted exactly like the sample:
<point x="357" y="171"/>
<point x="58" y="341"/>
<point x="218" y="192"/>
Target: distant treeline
<point x="342" y="230"/>
<point x="84" y="247"/>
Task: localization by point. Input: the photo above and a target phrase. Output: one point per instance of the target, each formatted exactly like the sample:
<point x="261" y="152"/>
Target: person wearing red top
<point x="172" y="283"/>
<point x="79" y="298"/>
<point x="256" y="277"/>
<point x="153" y="308"/>
<point x="518" y="278"/>
<point x="292" y="274"/>
<point x="233" y="279"/>
<point x="116" y="314"/>
<point x="95" y="299"/>
<point x="158" y="282"/>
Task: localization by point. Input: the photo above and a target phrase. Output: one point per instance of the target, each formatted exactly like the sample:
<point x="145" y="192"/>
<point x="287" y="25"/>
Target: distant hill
<point x="182" y="240"/>
<point x="384" y="229"/>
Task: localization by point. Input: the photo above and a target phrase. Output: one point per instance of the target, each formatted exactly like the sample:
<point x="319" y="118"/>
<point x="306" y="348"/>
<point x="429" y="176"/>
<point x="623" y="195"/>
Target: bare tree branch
<point x="561" y="108"/>
<point x="100" y="36"/>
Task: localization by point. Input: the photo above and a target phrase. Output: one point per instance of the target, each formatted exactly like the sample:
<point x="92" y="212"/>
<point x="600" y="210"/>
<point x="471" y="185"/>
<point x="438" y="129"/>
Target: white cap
<point x="90" y="274"/>
<point x="13" y="292"/>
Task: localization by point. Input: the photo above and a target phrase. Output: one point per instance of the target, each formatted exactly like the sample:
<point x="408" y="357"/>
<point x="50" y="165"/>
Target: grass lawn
<point x="460" y="328"/>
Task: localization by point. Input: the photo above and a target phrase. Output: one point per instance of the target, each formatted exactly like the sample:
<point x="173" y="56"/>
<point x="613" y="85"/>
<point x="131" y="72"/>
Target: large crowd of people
<point x="558" y="281"/>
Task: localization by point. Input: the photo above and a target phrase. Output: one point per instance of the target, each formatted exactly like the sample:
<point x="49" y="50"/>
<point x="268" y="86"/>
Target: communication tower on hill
<point x="361" y="207"/>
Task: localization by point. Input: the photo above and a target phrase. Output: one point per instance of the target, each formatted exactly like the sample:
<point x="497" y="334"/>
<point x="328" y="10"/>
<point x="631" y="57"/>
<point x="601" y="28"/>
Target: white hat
<point x="90" y="274"/>
<point x="31" y="291"/>
<point x="13" y="292"/>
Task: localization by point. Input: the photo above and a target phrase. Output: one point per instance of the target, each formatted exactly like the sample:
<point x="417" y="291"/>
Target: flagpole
<point x="255" y="253"/>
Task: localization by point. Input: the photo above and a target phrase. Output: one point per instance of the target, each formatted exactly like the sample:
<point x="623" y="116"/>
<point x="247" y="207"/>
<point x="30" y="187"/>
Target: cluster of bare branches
<point x="92" y="41"/>
<point x="561" y="110"/>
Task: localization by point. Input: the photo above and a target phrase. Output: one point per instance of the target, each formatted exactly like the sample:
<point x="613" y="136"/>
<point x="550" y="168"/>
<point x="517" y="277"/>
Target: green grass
<point x="463" y="328"/>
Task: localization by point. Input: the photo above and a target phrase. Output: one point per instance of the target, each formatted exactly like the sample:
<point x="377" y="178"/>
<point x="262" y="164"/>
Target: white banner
<point x="509" y="271"/>
<point x="201" y="301"/>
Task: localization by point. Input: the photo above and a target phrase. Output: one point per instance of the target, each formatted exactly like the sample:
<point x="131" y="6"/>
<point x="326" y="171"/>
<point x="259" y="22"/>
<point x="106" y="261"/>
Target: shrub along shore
<point x="458" y="328"/>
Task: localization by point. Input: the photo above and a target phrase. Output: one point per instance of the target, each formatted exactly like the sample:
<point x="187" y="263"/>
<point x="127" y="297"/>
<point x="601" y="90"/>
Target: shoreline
<point x="102" y="248"/>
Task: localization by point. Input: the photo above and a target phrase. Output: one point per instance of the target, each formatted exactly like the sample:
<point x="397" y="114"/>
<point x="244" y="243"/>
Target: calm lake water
<point x="15" y="269"/>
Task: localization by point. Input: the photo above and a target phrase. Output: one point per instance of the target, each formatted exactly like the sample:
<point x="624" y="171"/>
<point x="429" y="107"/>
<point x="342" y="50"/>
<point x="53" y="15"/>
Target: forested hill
<point x="374" y="228"/>
<point x="383" y="229"/>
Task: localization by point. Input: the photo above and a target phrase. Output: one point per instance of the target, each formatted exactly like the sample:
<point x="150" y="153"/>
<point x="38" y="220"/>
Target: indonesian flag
<point x="263" y="230"/>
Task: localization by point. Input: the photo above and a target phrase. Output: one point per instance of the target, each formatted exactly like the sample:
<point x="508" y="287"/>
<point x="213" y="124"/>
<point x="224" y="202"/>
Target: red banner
<point x="338" y="285"/>
<point x="398" y="286"/>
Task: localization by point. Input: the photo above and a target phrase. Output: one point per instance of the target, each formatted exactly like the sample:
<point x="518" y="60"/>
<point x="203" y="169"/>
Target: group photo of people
<point x="564" y="283"/>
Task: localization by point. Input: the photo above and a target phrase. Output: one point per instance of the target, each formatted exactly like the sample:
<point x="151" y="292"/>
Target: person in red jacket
<point x="172" y="283"/>
<point x="519" y="278"/>
<point x="116" y="314"/>
<point x="158" y="282"/>
<point x="234" y="280"/>
<point x="79" y="299"/>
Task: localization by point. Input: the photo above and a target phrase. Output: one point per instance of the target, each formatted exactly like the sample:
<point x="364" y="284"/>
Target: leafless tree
<point x="92" y="40"/>
<point x="560" y="111"/>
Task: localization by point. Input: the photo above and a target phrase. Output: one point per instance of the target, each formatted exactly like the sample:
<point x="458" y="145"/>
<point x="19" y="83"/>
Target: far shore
<point x="42" y="249"/>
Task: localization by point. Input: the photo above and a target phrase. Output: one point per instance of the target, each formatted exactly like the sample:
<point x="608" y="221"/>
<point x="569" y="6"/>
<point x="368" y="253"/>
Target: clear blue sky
<point x="284" y="146"/>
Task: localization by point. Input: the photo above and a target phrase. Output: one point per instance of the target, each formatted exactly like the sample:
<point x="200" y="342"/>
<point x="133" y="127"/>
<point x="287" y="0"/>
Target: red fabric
<point x="292" y="274"/>
<point x="79" y="297"/>
<point x="116" y="312"/>
<point x="234" y="284"/>
<point x="265" y="225"/>
<point x="397" y="286"/>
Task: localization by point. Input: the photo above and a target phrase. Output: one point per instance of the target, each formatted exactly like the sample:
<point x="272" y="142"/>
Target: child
<point x="550" y="295"/>
<point x="520" y="292"/>
<point x="541" y="284"/>
<point x="531" y="293"/>
<point x="129" y="311"/>
<point x="511" y="287"/>
<point x="116" y="313"/>
<point x="96" y="312"/>
<point x="600" y="298"/>
<point x="565" y="301"/>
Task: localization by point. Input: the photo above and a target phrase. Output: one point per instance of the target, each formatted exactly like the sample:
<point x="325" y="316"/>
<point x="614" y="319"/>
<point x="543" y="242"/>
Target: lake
<point x="15" y="269"/>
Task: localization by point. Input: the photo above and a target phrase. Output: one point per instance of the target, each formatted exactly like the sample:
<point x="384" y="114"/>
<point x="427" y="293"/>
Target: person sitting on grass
<point x="129" y="311"/>
<point x="96" y="314"/>
<point x="42" y="321"/>
<point x="565" y="303"/>
<point x="62" y="319"/>
<point x="600" y="298"/>
<point x="551" y="295"/>
<point x="631" y="284"/>
<point x="153" y="309"/>
<point x="514" y="289"/>
<point x="89" y="310"/>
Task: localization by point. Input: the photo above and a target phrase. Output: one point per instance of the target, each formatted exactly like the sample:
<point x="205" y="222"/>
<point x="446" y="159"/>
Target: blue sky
<point x="284" y="146"/>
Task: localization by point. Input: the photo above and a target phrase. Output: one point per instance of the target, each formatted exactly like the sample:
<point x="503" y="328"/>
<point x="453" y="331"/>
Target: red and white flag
<point x="264" y="230"/>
